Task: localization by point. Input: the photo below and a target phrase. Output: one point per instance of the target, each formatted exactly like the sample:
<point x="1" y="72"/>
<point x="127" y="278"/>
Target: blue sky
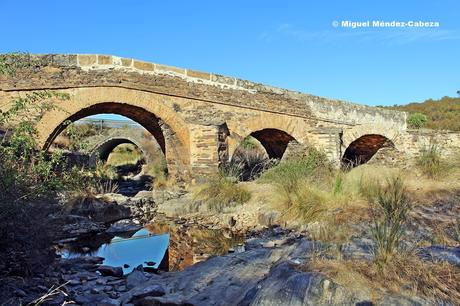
<point x="291" y="44"/>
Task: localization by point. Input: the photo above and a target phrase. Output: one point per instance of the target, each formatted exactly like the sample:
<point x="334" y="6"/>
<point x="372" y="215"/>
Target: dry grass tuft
<point x="431" y="162"/>
<point x="221" y="192"/>
<point x="404" y="274"/>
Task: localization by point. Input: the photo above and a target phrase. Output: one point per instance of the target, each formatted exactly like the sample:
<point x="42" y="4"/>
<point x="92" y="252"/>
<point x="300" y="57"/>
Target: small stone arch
<point x="102" y="150"/>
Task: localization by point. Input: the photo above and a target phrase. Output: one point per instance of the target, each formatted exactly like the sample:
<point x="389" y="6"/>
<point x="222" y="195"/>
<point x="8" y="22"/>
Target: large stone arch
<point x="361" y="143"/>
<point x="148" y="109"/>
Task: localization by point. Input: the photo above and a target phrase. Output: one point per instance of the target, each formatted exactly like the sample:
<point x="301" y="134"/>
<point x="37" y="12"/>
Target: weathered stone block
<point x="164" y="68"/>
<point x="199" y="74"/>
<point x="146" y="66"/>
<point x="64" y="59"/>
<point x="104" y="60"/>
<point x="86" y="60"/>
<point x="223" y="79"/>
<point x="127" y="62"/>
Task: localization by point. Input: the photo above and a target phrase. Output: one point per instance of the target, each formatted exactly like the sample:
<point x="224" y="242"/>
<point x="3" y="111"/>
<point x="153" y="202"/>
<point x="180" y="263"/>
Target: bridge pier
<point x="204" y="157"/>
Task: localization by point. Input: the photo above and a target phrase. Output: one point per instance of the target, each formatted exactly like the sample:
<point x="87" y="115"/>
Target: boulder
<point x="151" y="290"/>
<point x="284" y="285"/>
<point x="135" y="278"/>
<point x="441" y="253"/>
<point x="99" y="210"/>
<point x="80" y="226"/>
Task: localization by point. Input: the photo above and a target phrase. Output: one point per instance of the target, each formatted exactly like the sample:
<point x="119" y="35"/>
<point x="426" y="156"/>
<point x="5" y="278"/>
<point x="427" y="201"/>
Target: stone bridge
<point x="199" y="118"/>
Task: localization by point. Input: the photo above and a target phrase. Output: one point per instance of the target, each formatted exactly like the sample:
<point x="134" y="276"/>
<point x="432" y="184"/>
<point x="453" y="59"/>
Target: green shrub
<point x="28" y="173"/>
<point x="288" y="174"/>
<point x="221" y="192"/>
<point x="442" y="114"/>
<point x="417" y="120"/>
<point x="431" y="162"/>
<point x="389" y="217"/>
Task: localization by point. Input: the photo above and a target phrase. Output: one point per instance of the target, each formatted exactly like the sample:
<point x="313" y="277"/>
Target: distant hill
<point x="443" y="114"/>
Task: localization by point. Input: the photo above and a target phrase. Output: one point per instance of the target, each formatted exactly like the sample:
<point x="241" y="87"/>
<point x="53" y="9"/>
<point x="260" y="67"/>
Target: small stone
<point x="122" y="288"/>
<point x="153" y="290"/>
<point x="109" y="302"/>
<point x="125" y="266"/>
<point x="74" y="282"/>
<point x="150" y="263"/>
<point x="95" y="290"/>
<point x="20" y="293"/>
<point x="101" y="281"/>
<point x="42" y="288"/>
<point x="107" y="288"/>
<point x="269" y="244"/>
<point x="116" y="282"/>
<point x="110" y="271"/>
<point x="82" y="299"/>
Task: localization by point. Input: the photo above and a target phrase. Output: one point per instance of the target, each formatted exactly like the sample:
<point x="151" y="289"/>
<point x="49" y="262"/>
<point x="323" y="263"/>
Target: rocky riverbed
<point x="221" y="261"/>
<point x="265" y="273"/>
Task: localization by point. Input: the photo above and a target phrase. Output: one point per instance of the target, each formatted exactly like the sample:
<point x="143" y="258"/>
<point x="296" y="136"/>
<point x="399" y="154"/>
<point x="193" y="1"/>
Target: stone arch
<point x="283" y="129"/>
<point x="147" y="109"/>
<point x="103" y="149"/>
<point x="361" y="150"/>
<point x="274" y="141"/>
<point x="360" y="143"/>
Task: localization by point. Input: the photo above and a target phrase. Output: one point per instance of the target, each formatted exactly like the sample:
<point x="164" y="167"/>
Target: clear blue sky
<point x="291" y="44"/>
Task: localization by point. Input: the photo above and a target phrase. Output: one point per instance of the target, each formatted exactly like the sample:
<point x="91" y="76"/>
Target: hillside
<point x="443" y="114"/>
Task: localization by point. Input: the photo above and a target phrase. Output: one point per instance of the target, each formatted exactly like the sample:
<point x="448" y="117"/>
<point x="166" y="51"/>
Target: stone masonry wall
<point x="416" y="140"/>
<point x="203" y="116"/>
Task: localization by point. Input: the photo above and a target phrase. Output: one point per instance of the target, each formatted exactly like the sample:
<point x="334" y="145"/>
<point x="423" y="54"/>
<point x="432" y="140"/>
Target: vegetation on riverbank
<point x="441" y="114"/>
<point x="335" y="206"/>
<point x="221" y="192"/>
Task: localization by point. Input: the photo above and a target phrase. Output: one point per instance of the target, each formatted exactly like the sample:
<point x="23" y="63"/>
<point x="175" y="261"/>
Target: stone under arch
<point x="168" y="128"/>
<point x="362" y="149"/>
